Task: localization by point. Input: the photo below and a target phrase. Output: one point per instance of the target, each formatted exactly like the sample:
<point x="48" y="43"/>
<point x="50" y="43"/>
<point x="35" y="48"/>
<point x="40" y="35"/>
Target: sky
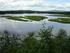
<point x="39" y="5"/>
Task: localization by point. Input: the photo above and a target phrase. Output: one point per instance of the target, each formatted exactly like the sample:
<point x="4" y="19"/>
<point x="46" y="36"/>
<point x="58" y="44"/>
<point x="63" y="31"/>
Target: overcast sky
<point x="35" y="5"/>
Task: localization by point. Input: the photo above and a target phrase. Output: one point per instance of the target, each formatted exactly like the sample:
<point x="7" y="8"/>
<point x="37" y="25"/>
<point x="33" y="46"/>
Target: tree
<point x="60" y="40"/>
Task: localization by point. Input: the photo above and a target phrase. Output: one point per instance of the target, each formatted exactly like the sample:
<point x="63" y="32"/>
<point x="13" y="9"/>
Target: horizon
<point x="36" y="5"/>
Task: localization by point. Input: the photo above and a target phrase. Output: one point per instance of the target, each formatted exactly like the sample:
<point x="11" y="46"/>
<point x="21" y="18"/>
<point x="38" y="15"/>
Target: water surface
<point x="24" y="27"/>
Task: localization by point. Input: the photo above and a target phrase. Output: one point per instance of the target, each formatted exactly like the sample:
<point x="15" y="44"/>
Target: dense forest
<point x="44" y="42"/>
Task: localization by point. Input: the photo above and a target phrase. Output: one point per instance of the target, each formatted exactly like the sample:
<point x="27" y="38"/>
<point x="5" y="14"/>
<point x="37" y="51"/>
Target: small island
<point x="26" y="18"/>
<point x="61" y="20"/>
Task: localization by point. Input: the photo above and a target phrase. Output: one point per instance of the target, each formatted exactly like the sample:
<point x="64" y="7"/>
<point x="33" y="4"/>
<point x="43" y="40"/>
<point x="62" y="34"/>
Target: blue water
<point x="34" y="26"/>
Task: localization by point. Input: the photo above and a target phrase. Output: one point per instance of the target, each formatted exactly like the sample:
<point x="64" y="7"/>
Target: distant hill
<point x="31" y="11"/>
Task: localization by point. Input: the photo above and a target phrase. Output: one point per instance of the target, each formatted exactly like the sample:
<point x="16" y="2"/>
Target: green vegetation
<point x="62" y="15"/>
<point x="36" y="18"/>
<point x="61" y="20"/>
<point x="16" y="18"/>
<point x="20" y="18"/>
<point x="48" y="43"/>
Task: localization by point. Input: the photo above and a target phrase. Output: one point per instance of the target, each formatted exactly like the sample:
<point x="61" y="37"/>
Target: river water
<point x="25" y="27"/>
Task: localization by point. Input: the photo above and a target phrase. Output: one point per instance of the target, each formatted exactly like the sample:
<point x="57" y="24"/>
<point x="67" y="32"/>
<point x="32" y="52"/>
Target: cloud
<point x="33" y="5"/>
<point x="17" y="4"/>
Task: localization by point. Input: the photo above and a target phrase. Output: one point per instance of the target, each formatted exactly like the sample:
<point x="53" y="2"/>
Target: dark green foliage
<point x="60" y="41"/>
<point x="48" y="43"/>
<point x="29" y="44"/>
<point x="46" y="40"/>
<point x="8" y="43"/>
<point x="67" y="46"/>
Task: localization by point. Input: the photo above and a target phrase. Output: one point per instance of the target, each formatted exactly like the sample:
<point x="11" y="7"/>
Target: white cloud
<point x="17" y="4"/>
<point x="32" y="5"/>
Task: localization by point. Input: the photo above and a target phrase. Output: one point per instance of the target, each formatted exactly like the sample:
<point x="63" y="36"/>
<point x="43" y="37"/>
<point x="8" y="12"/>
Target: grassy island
<point x="16" y="18"/>
<point x="35" y="18"/>
<point x="26" y="18"/>
<point x="61" y="20"/>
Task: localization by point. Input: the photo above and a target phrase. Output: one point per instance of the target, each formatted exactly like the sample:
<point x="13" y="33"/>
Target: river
<point x="34" y="26"/>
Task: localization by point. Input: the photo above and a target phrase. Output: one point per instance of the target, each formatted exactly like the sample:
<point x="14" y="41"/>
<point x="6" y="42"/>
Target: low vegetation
<point x="61" y="20"/>
<point x="21" y="18"/>
<point x="36" y="18"/>
<point x="16" y="18"/>
<point x="47" y="42"/>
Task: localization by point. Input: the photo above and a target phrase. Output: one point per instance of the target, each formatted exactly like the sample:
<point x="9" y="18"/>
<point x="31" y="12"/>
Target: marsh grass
<point x="61" y="20"/>
<point x="20" y="18"/>
<point x="36" y="18"/>
<point x="16" y="18"/>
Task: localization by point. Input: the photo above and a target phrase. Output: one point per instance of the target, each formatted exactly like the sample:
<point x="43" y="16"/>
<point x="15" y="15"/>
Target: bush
<point x="48" y="43"/>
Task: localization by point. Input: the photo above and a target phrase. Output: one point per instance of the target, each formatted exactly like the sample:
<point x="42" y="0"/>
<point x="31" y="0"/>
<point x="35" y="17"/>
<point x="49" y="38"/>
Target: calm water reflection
<point x="24" y="27"/>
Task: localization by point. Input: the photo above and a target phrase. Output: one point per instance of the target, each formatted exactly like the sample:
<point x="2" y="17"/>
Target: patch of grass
<point x="61" y="20"/>
<point x="62" y="15"/>
<point x="16" y="18"/>
<point x="33" y="18"/>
